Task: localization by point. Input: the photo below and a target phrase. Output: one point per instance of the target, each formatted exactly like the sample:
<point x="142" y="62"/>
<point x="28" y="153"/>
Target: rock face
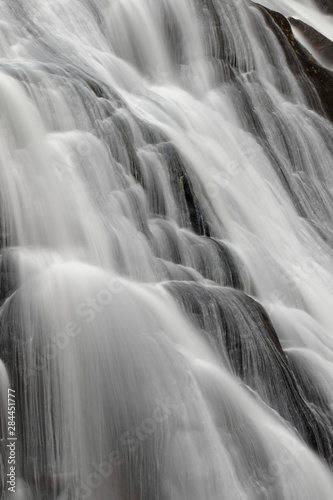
<point x="304" y="66"/>
<point x="241" y="333"/>
<point x="320" y="43"/>
<point x="325" y="5"/>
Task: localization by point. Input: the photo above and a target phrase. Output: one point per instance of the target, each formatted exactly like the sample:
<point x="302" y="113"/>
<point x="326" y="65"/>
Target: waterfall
<point x="166" y="221"/>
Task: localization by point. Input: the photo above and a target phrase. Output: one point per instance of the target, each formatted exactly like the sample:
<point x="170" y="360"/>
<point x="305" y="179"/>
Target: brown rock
<point x="319" y="42"/>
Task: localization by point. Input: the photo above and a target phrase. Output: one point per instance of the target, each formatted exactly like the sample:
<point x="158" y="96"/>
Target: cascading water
<point x="167" y="268"/>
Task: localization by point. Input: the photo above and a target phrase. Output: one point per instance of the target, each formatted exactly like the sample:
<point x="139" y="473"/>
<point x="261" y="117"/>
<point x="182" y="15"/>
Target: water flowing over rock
<point x="320" y="43"/>
<point x="166" y="215"/>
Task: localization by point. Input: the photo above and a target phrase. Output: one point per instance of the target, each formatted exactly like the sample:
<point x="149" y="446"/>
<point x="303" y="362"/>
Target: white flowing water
<point x="167" y="270"/>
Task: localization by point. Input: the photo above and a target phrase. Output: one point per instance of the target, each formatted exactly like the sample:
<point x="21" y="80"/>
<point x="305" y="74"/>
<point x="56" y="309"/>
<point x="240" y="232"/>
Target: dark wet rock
<point x="97" y="89"/>
<point x="320" y="43"/>
<point x="5" y="237"/>
<point x="213" y="18"/>
<point x="309" y="72"/>
<point x="183" y="189"/>
<point x="240" y="331"/>
<point x="231" y="265"/>
<point x="268" y="326"/>
<point x="325" y="6"/>
<point x="9" y="278"/>
<point x="196" y="264"/>
<point x="174" y="36"/>
<point x="122" y="125"/>
<point x="199" y="225"/>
